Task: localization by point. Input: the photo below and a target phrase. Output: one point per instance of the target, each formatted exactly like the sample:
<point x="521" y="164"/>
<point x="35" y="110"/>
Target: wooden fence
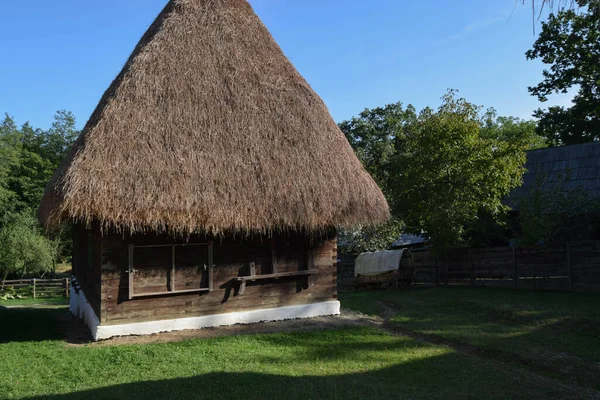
<point x="569" y="266"/>
<point x="37" y="288"/>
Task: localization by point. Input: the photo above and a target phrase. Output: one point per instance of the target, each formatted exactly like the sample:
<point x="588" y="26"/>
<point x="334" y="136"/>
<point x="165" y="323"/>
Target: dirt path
<point x="78" y="334"/>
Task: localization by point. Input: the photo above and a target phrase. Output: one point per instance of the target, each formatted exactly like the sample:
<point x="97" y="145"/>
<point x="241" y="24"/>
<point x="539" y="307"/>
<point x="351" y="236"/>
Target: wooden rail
<point x="38" y="287"/>
<point x="573" y="266"/>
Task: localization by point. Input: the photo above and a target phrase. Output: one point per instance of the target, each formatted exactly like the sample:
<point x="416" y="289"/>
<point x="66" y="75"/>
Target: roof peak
<point x="209" y="127"/>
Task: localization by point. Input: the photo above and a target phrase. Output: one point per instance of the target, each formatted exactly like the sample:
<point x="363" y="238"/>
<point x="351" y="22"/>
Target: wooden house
<point x="208" y="184"/>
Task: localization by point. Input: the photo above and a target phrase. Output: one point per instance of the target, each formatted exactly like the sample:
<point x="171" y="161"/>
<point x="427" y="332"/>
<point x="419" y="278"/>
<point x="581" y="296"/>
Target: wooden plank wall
<point x="86" y="262"/>
<point x="566" y="266"/>
<point x="231" y="258"/>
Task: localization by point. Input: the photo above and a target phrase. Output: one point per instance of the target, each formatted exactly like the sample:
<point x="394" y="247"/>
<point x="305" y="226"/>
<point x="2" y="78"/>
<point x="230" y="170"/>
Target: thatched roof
<point x="575" y="167"/>
<point x="210" y="128"/>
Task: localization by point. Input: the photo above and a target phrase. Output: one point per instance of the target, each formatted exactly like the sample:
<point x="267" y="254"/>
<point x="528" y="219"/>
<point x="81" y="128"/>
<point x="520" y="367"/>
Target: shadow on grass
<point x="444" y="376"/>
<point x="32" y="324"/>
<point x="553" y="333"/>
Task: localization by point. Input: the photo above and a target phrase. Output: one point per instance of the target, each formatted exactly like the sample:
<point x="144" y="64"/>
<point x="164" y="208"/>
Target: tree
<point x="373" y="135"/>
<point x="570" y="44"/>
<point x="28" y="158"/>
<point x="446" y="172"/>
<point x="554" y="212"/>
<point x="355" y="241"/>
<point x="511" y="129"/>
<point x="10" y="150"/>
<point x="24" y="250"/>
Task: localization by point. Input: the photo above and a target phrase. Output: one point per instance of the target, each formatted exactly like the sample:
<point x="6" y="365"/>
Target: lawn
<point x="555" y="334"/>
<point x="352" y="363"/>
<point x="30" y="301"/>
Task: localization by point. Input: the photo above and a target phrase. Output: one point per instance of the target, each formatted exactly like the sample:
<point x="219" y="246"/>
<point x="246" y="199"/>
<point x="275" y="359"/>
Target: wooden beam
<point x="170" y="292"/>
<point x="277" y="275"/>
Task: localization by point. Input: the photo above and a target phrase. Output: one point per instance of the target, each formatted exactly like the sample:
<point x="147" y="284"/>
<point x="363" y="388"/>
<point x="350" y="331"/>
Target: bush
<point x="23" y="248"/>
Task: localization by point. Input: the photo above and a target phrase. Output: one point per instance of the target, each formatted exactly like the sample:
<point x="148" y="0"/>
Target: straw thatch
<point x="210" y="128"/>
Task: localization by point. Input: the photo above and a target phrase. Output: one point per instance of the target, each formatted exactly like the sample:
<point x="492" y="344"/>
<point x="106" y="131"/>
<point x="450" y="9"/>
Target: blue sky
<point x="63" y="54"/>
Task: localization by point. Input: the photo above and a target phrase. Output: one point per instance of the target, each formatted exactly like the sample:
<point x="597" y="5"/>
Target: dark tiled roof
<point x="576" y="166"/>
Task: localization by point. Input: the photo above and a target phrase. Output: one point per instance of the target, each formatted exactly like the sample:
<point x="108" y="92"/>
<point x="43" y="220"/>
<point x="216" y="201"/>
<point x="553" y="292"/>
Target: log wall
<point x="231" y="258"/>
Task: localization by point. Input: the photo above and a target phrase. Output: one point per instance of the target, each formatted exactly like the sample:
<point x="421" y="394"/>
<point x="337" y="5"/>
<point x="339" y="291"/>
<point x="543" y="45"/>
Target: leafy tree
<point x="511" y="129"/>
<point x="570" y="44"/>
<point x="28" y="158"/>
<point x="373" y="136"/>
<point x="24" y="250"/>
<point x="550" y="213"/>
<point x="370" y="239"/>
<point x="446" y="172"/>
<point x="10" y="149"/>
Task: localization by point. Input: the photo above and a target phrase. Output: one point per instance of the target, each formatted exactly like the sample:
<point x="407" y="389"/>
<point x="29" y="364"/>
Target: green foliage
<point x="551" y="214"/>
<point x="28" y="158"/>
<point x="371" y="238"/>
<point x="373" y="135"/>
<point x="511" y="129"/>
<point x="570" y="44"/>
<point x="439" y="170"/>
<point x="24" y="250"/>
<point x="446" y="172"/>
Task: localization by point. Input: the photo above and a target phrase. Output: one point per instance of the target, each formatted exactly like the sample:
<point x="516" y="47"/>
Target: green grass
<point x="38" y="301"/>
<point x="557" y="334"/>
<point x="351" y="363"/>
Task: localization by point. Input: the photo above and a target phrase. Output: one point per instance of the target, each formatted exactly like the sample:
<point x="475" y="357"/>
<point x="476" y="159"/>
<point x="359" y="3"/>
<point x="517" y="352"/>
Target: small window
<point x="169" y="269"/>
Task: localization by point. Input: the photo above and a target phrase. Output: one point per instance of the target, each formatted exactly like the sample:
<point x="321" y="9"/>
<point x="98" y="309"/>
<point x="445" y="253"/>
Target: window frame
<point x="131" y="270"/>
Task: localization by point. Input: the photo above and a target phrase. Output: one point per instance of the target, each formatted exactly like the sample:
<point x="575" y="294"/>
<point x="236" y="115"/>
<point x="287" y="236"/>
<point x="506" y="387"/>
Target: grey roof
<point x="576" y="166"/>
<point x="408" y="239"/>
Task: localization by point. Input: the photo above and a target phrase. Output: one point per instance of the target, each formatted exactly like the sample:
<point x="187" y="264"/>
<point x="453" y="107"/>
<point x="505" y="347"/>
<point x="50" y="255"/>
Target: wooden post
<point x="471" y="269"/>
<point x="446" y="269"/>
<point x="172" y="288"/>
<point x="273" y="256"/>
<point x="310" y="265"/>
<point x="211" y="267"/>
<point x="130" y="271"/>
<point x="534" y="278"/>
<point x="437" y="276"/>
<point x="34" y="288"/>
<point x="569" y="267"/>
<point x="515" y="272"/>
<point x="67" y="287"/>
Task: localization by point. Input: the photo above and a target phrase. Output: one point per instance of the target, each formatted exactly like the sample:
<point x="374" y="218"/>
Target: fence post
<point x="446" y="269"/>
<point x="67" y="287"/>
<point x="534" y="277"/>
<point x="471" y="270"/>
<point x="437" y="276"/>
<point x="34" y="288"/>
<point x="515" y="274"/>
<point x="569" y="267"/>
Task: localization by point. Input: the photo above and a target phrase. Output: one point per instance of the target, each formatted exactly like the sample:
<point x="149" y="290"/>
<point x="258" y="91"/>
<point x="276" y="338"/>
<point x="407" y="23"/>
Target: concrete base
<point x="81" y="308"/>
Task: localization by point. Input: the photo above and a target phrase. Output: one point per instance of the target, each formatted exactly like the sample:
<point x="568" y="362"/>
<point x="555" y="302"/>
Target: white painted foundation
<point x="81" y="308"/>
